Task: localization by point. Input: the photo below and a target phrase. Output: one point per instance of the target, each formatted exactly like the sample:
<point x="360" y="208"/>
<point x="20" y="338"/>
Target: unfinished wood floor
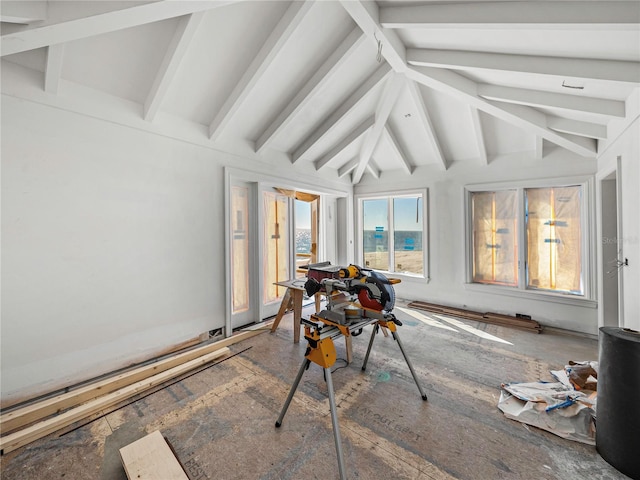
<point x="220" y="422"/>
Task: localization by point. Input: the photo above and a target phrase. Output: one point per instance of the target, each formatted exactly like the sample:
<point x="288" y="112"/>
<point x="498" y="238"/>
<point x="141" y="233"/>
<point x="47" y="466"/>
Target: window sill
<point x="542" y="297"/>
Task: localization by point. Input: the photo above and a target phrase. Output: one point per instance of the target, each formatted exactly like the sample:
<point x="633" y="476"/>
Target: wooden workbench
<point x="292" y="300"/>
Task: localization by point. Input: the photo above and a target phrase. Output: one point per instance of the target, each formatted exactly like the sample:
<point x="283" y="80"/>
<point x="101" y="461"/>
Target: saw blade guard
<point x="377" y="293"/>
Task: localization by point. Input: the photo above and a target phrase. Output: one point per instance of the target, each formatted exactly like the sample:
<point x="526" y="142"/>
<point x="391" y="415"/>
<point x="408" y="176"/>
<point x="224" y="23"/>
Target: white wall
<point x="447" y="235"/>
<point x="112" y="244"/>
<point x="626" y="147"/>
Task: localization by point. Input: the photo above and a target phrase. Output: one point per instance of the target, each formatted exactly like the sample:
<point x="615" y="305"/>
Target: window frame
<point x="588" y="245"/>
<point x="388" y="195"/>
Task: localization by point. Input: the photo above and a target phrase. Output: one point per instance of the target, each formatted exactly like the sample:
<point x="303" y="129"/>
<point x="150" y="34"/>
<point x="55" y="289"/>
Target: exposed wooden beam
<point x="288" y="24"/>
<point x="538" y="98"/>
<point x="20" y="417"/>
<point x="366" y="16"/>
<point x="362" y="92"/>
<point x="393" y="142"/>
<point x="528" y="119"/>
<point x="66" y="31"/>
<point x="186" y="29"/>
<point x="514" y="15"/>
<point x="425" y="120"/>
<point x="383" y="110"/>
<point x="575" y="127"/>
<point x="55" y="55"/>
<point x="479" y="135"/>
<point x="333" y="64"/>
<point x="347" y="167"/>
<point x="577" y="68"/>
<point x="351" y="137"/>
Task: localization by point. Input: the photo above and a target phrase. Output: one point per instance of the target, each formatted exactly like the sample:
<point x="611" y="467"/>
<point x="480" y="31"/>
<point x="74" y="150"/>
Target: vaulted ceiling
<point x="352" y="88"/>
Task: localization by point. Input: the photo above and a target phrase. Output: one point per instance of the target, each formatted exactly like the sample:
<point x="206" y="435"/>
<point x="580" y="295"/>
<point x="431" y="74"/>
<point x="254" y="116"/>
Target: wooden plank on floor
<point x="151" y="458"/>
<point x="489" y="317"/>
<point x="38" y="430"/>
<point x="37" y="411"/>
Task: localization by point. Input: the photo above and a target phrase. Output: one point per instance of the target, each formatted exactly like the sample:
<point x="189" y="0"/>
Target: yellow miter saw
<point x="345" y="316"/>
<point x="342" y="285"/>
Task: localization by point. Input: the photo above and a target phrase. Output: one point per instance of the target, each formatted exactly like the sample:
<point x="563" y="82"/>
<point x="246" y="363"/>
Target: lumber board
<point x="38" y="430"/>
<point x="488" y="317"/>
<point x="37" y="411"/>
<point x="151" y="458"/>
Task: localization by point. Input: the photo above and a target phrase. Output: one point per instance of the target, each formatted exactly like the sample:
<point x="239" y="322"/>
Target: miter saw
<point x="342" y="285"/>
<point x="345" y="316"/>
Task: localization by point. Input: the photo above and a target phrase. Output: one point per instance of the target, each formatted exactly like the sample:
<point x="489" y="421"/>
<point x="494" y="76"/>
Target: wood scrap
<point x="29" y="414"/>
<point x="488" y="317"/>
<point x="150" y="458"/>
<point x="38" y="430"/>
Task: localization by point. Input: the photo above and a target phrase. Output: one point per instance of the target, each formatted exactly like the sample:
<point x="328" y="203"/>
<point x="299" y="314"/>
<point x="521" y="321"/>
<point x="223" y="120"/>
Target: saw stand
<point x="321" y="351"/>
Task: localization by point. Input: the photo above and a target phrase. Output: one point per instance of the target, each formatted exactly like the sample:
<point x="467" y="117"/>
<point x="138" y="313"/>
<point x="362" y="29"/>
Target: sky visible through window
<point x="408" y="214"/>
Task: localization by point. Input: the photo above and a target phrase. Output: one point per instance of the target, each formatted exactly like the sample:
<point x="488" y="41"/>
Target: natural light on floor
<point x="457" y="323"/>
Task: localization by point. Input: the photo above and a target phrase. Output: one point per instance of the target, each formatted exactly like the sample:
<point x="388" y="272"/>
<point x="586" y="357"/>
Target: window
<point x="541" y="228"/>
<point x="392" y="233"/>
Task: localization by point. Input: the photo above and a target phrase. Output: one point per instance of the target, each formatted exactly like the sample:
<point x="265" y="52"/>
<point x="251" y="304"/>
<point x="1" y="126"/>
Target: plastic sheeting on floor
<point x="566" y="408"/>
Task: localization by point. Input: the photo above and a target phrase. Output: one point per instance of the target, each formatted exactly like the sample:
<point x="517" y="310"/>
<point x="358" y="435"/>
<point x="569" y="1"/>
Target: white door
<point x="242" y="243"/>
<point x="276" y="251"/>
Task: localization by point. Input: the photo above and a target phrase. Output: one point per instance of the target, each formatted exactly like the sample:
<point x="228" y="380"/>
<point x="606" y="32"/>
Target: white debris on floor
<point x="566" y="408"/>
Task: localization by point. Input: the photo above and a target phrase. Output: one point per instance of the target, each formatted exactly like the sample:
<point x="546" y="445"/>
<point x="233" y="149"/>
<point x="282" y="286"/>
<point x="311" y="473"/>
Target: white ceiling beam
<point x="352" y="137"/>
<point x="540" y="119"/>
<point x="537" y="98"/>
<point x="373" y="169"/>
<point x="185" y="31"/>
<point x="576" y="68"/>
<point x="575" y="127"/>
<point x="539" y="147"/>
<point x="350" y="104"/>
<point x="55" y="55"/>
<point x="288" y="24"/>
<point x="366" y="16"/>
<point x="383" y="110"/>
<point x="479" y="135"/>
<point x="347" y="168"/>
<point x="23" y="12"/>
<point x="66" y="31"/>
<point x="425" y="121"/>
<point x="514" y="15"/>
<point x="393" y="142"/>
<point x="333" y="64"/>
<point x="523" y="117"/>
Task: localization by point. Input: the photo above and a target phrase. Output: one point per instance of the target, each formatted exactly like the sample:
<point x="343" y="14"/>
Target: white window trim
<point x="425" y="277"/>
<point x="588" y="241"/>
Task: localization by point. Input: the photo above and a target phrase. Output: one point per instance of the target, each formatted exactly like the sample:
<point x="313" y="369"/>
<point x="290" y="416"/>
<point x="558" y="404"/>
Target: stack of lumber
<point x="489" y="317"/>
<point x="26" y="424"/>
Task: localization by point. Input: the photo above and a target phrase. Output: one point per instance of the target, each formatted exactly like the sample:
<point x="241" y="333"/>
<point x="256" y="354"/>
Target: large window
<point x="392" y="233"/>
<point x="530" y="238"/>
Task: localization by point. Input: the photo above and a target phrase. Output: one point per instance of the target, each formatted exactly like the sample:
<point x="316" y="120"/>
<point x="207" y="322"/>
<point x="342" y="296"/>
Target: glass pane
<point x="553" y="239"/>
<point x="407" y="235"/>
<point x="302" y="218"/>
<point x="276" y="242"/>
<point x="495" y="234"/>
<point x="240" y="248"/>
<point x="376" y="233"/>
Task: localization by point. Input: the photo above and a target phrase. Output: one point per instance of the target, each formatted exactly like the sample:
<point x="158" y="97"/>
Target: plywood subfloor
<point x="220" y="422"/>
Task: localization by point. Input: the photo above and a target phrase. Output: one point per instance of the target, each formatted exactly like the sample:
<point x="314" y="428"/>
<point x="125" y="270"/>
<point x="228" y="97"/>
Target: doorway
<point x="272" y="232"/>
<point x="610" y="231"/>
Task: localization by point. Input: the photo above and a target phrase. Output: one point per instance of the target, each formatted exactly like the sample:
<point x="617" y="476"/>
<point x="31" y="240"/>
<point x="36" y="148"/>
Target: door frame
<point x="262" y="182"/>
<point x="614" y="169"/>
